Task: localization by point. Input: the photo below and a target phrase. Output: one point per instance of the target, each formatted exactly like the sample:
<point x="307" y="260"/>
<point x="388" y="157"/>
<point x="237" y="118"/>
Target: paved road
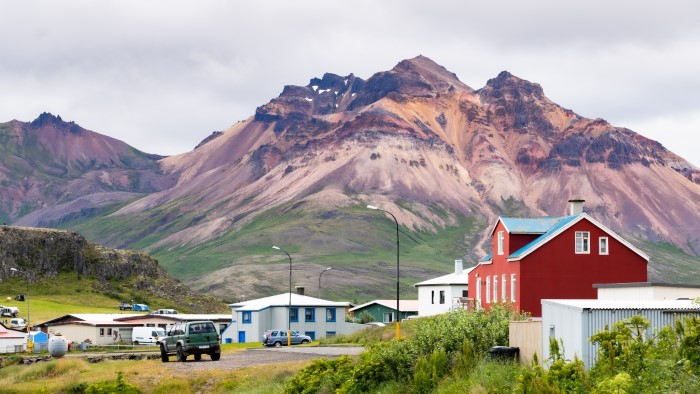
<point x="262" y="356"/>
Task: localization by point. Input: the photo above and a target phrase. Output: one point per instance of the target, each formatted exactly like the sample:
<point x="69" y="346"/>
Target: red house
<point x="552" y="257"/>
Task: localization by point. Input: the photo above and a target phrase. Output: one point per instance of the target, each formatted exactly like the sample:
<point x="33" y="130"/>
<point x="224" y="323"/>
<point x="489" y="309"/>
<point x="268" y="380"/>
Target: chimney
<point x="300" y="290"/>
<point x="458" y="267"/>
<point x="576" y="207"/>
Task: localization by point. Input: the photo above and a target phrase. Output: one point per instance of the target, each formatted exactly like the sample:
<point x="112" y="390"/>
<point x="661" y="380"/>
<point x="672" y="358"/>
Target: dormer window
<point x="501" y="236"/>
<point x="583" y="242"/>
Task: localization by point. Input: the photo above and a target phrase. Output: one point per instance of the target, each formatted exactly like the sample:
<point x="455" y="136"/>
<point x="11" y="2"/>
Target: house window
<point x="330" y="333"/>
<point x="503" y="287"/>
<point x="294" y="315"/>
<point x="582" y="242"/>
<point x="330" y="314"/>
<point x="488" y="289"/>
<point x="247" y="318"/>
<point x="388" y="317"/>
<point x="500" y="242"/>
<point x="478" y="289"/>
<point x="495" y="288"/>
<point x="102" y="332"/>
<point x="432" y="296"/>
<point x="442" y="296"/>
<point x="109" y="332"/>
<point x="310" y="314"/>
<point x="603" y="245"/>
<point x="311" y="334"/>
<point x="512" y="287"/>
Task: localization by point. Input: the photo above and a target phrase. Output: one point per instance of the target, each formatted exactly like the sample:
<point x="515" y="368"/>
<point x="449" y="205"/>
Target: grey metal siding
<point x="596" y="320"/>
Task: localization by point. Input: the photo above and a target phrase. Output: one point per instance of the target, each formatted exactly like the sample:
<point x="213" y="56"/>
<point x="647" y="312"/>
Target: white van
<point x="17" y="323"/>
<point x="146" y="334"/>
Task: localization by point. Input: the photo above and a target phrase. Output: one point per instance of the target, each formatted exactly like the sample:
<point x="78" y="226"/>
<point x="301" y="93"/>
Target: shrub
<point x="319" y="373"/>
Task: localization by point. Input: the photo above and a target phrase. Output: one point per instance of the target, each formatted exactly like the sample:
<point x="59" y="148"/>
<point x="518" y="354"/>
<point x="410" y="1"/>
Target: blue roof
<point x="531" y="225"/>
<point x="557" y="225"/>
<point x="488" y="257"/>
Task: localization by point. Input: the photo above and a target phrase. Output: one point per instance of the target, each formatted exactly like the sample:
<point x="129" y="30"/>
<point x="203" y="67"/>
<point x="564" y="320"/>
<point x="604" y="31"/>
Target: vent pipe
<point x="576" y="207"/>
<point x="300" y="290"/>
<point x="459" y="268"/>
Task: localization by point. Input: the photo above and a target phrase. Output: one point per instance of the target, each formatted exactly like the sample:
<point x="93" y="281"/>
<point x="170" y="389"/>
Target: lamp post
<point x="398" y="312"/>
<point x="319" y="280"/>
<point x="26" y="278"/>
<point x="289" y="311"/>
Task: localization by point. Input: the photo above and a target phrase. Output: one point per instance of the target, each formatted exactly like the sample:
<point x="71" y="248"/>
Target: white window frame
<point x="495" y="288"/>
<point x="488" y="289"/>
<point x="606" y="249"/>
<point x="504" y="287"/>
<point x="478" y="290"/>
<point x="389" y="315"/>
<point x="512" y="287"/>
<point x="582" y="244"/>
<point x="501" y="238"/>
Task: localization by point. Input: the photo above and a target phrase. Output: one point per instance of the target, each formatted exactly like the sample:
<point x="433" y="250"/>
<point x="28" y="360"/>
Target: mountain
<point x="444" y="158"/>
<point x="50" y="169"/>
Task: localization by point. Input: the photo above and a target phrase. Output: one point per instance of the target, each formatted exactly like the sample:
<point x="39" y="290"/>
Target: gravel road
<point x="253" y="357"/>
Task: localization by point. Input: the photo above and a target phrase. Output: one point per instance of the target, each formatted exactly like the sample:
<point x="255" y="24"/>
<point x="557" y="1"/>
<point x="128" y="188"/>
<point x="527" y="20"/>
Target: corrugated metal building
<point x="575" y="321"/>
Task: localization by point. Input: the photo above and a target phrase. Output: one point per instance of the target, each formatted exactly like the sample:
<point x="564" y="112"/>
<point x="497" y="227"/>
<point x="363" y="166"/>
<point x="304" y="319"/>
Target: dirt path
<point x="253" y="357"/>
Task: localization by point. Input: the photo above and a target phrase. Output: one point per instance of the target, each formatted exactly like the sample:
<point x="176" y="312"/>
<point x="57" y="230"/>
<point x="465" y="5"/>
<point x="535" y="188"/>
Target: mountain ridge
<point x="442" y="157"/>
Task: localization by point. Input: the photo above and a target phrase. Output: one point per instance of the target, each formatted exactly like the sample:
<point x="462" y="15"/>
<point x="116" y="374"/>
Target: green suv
<point x="195" y="337"/>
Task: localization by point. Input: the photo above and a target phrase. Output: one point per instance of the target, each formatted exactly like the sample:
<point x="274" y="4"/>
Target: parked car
<point x="18" y="322"/>
<point x="376" y="324"/>
<point x="10" y="311"/>
<point x="125" y="306"/>
<point x="164" y="312"/>
<point x="196" y="337"/>
<point x="279" y="338"/>
<point x="141" y="335"/>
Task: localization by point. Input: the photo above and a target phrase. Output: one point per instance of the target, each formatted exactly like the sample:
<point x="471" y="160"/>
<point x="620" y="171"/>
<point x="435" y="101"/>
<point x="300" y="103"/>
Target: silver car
<point x="279" y="338"/>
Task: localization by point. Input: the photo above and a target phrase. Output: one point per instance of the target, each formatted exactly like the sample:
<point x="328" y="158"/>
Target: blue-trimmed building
<point x="310" y="316"/>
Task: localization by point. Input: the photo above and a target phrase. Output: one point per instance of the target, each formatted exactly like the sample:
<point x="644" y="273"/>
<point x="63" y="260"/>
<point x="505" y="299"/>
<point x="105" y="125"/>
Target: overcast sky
<point x="162" y="75"/>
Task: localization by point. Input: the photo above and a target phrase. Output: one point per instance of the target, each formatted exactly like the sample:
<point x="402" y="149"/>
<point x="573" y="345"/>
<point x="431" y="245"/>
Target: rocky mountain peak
<point x="507" y="85"/>
<point x="48" y="119"/>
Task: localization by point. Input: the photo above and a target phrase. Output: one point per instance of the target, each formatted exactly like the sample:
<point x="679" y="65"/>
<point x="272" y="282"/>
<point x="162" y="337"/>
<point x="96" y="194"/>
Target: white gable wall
<point x="430" y="305"/>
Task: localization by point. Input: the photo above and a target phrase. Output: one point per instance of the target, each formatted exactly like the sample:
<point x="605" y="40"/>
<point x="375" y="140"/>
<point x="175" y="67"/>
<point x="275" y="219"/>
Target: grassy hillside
<point x="358" y="243"/>
<point x="66" y="294"/>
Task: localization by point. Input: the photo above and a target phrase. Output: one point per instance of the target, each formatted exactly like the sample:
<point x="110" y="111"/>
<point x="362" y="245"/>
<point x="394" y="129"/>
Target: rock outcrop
<point x="43" y="254"/>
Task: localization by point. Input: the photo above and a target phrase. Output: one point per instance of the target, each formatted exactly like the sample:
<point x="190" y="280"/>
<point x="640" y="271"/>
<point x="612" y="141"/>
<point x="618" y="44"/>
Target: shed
<point x="385" y="310"/>
<point x="575" y="321"/>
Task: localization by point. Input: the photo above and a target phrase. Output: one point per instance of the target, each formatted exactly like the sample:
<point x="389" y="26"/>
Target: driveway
<point x="263" y="356"/>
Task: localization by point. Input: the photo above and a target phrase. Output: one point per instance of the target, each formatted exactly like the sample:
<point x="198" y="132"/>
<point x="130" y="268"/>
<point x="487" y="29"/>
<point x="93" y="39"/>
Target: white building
<point x="575" y="321"/>
<point x="646" y="291"/>
<point x="443" y="293"/>
<point x="310" y="316"/>
<point x="12" y="341"/>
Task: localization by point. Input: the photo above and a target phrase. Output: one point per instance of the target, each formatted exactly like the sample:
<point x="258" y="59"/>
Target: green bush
<point x="325" y="373"/>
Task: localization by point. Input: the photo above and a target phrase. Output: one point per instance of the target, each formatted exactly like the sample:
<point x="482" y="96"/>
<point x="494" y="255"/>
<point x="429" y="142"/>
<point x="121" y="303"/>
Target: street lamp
<point x="289" y="311"/>
<point x="398" y="312"/>
<point x="26" y="278"/>
<point x="319" y="280"/>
